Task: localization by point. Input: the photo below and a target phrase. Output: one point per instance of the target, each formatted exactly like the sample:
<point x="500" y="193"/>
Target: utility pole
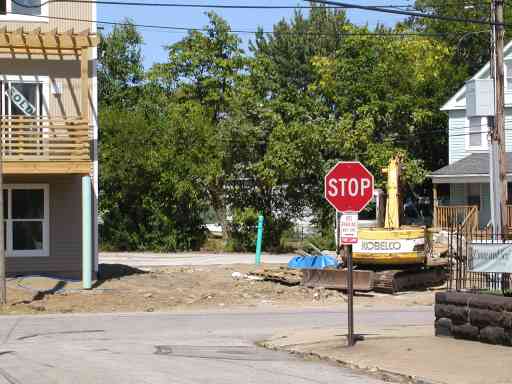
<point x="498" y="156"/>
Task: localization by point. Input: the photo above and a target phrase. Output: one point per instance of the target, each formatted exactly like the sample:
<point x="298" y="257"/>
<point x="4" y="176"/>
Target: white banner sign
<point x="488" y="257"/>
<point x="348" y="228"/>
<point x="387" y="246"/>
<point x="21" y="101"/>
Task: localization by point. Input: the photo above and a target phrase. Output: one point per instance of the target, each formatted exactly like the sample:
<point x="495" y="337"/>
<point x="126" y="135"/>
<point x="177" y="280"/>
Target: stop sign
<point x="348" y="186"/>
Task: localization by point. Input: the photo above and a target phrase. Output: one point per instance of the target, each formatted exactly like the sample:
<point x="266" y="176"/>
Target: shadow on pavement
<point x="108" y="272"/>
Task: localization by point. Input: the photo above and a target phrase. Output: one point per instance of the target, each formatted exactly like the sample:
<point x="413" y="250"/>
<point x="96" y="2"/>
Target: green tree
<point x="150" y="199"/>
<point x="205" y="67"/>
<point x="120" y="69"/>
<point x="470" y="42"/>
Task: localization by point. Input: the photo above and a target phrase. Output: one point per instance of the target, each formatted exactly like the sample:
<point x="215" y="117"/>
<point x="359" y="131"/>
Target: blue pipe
<point x="86" y="232"/>
<point x="259" y="240"/>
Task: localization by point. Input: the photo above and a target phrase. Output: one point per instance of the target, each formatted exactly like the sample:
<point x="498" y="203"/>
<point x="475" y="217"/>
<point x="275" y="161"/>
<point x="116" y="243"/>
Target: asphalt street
<point x="205" y="347"/>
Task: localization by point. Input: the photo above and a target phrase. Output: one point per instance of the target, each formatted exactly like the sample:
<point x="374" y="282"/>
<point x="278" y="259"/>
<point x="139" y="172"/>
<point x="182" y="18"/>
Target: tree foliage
<point x="242" y="133"/>
<point x="120" y="67"/>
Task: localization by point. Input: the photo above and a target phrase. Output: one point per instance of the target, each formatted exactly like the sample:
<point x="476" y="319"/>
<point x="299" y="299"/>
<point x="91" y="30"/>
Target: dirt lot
<point x="125" y="289"/>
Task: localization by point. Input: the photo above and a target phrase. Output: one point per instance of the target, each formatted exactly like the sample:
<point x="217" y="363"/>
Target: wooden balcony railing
<point x="448" y="216"/>
<point x="44" y="139"/>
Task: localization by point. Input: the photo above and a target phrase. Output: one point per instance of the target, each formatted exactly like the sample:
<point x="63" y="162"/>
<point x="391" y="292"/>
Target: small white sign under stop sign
<point x="348" y="228"/>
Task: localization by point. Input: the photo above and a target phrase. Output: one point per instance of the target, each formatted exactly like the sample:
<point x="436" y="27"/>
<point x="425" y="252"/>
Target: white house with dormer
<point x="465" y="180"/>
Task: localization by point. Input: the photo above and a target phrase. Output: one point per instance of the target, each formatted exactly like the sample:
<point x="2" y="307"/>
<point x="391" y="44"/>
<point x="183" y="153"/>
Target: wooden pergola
<point x="53" y="43"/>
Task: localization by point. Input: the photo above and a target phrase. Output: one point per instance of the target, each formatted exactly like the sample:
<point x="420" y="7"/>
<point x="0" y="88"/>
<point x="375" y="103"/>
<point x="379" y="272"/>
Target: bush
<point x="243" y="230"/>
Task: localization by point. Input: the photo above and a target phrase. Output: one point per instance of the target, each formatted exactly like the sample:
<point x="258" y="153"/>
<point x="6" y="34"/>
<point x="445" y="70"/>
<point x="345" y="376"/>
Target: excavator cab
<point x="374" y="213"/>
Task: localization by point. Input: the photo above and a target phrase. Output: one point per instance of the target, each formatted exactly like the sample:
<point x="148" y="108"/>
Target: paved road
<point x="148" y="259"/>
<point x="154" y="348"/>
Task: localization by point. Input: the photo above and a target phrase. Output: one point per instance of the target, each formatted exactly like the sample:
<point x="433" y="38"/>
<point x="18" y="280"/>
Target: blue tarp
<point x="313" y="262"/>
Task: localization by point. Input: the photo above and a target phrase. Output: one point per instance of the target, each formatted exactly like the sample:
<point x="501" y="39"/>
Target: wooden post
<point x="84" y="82"/>
<point x="500" y="111"/>
<point x="3" y="285"/>
<point x="497" y="154"/>
<point x="434" y="191"/>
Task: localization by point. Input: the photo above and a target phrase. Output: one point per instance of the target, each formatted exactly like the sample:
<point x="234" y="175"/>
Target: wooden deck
<point x="42" y="145"/>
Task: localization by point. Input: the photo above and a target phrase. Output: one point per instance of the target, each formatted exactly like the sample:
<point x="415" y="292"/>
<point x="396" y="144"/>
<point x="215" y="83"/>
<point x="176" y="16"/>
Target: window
<point x="21" y="98"/>
<point x="475" y="136"/>
<point x="26" y="210"/>
<point x="476" y="133"/>
<point x="23" y="10"/>
<point x="24" y="95"/>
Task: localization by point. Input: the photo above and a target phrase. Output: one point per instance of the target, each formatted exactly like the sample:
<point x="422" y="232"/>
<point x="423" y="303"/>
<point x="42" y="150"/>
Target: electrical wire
<point x="407" y="13"/>
<point x="179" y="5"/>
<point x="244" y="31"/>
<point x="333" y="4"/>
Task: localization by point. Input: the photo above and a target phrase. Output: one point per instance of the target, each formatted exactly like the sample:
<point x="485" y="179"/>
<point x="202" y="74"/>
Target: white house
<point x="465" y="180"/>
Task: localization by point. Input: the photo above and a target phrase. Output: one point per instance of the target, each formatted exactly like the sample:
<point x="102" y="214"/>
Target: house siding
<point x="65" y="257"/>
<point x="508" y="128"/>
<point x="60" y="11"/>
<point x="456" y="139"/>
<point x="65" y="72"/>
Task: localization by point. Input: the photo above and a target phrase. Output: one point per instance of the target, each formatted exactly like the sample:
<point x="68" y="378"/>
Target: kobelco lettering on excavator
<point x="383" y="245"/>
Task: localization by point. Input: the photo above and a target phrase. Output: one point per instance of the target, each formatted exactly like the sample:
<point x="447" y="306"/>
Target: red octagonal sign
<point x="348" y="186"/>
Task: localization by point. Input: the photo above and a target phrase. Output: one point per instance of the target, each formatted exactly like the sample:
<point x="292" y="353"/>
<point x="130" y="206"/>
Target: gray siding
<point x="456" y="139"/>
<point x="457" y="134"/>
<point x="508" y="128"/>
<point x="65" y="228"/>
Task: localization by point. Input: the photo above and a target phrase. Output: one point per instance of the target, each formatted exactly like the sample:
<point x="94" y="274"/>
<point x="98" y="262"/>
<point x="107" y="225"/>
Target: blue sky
<point x="154" y="40"/>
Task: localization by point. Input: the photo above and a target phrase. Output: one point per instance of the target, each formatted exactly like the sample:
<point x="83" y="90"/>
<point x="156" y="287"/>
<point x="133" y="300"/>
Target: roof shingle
<point x="474" y="164"/>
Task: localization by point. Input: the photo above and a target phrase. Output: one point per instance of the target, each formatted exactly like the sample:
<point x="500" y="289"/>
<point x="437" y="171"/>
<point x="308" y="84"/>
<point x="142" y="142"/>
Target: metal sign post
<point x="350" y="293"/>
<point x="348" y="229"/>
<point x="348" y="226"/>
<point x="348" y="187"/>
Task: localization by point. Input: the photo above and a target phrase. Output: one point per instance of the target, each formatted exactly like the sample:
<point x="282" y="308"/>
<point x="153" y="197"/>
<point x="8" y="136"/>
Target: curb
<point x="376" y="372"/>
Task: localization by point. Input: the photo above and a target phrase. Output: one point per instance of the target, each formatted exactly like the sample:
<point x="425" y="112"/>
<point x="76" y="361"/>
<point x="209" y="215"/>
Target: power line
<point x="228" y="6"/>
<point x="197" y="29"/>
<point x="406" y="13"/>
<point x="178" y="5"/>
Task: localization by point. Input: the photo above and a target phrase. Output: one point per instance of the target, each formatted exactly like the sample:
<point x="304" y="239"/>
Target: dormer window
<point x="23" y="10"/>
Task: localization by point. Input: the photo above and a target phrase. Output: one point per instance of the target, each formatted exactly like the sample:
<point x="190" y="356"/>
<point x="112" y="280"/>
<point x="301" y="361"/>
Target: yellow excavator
<point x="390" y="257"/>
<point x="402" y="256"/>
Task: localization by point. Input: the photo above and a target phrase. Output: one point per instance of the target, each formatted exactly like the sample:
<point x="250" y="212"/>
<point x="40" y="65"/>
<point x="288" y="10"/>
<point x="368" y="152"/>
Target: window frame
<point x="43" y="18"/>
<point x="44" y="80"/>
<point x="8" y="222"/>
<point x="484" y="131"/>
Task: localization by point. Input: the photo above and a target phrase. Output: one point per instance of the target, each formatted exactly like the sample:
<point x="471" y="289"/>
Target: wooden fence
<point x="43" y="139"/>
<point x="448" y="216"/>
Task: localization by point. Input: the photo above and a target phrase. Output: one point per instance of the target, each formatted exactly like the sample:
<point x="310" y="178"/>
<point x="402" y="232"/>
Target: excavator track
<point x="397" y="280"/>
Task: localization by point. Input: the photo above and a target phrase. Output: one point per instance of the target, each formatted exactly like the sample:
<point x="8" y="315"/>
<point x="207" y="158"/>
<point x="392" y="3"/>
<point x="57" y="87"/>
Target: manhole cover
<point x="216" y="352"/>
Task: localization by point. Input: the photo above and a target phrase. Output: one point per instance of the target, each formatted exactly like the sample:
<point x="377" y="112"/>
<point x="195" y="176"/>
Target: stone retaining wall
<point x="484" y="318"/>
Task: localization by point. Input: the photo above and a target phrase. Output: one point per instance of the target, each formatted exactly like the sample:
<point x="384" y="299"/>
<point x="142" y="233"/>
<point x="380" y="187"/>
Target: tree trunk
<point x="219" y="206"/>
